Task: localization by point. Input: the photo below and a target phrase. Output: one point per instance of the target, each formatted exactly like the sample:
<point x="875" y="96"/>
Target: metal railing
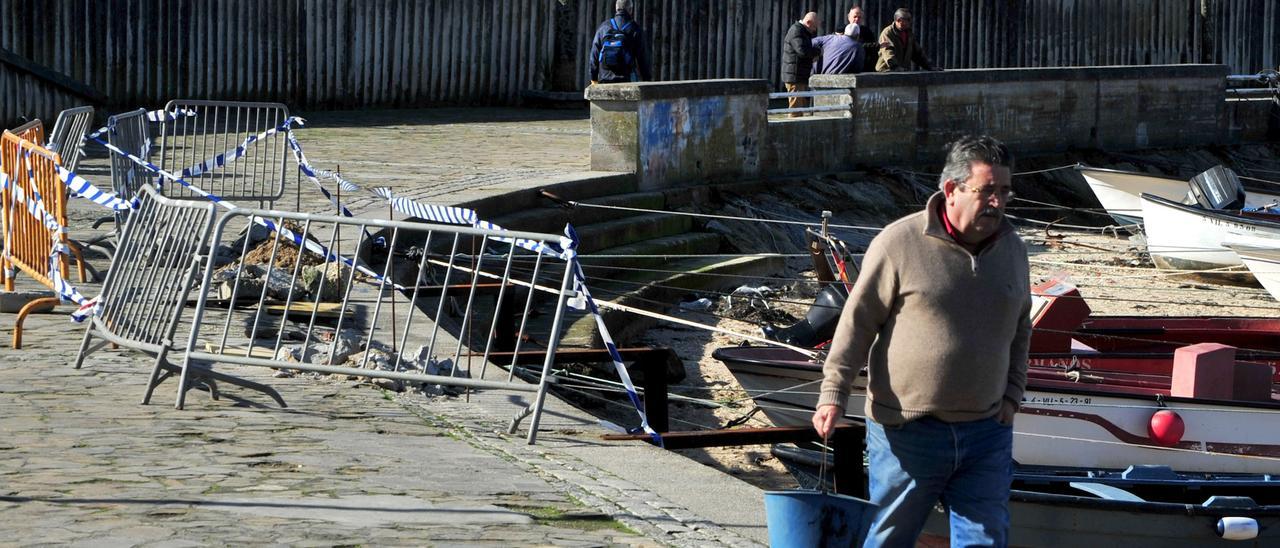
<point x="810" y="94"/>
<point x="195" y="132"/>
<point x="67" y="138"/>
<point x="286" y="291"/>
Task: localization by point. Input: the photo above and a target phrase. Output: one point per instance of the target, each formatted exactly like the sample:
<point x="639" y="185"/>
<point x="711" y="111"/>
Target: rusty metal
<point x="28" y="241"/>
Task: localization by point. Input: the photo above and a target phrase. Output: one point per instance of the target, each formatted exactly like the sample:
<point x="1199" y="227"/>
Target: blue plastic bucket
<point x="808" y="519"/>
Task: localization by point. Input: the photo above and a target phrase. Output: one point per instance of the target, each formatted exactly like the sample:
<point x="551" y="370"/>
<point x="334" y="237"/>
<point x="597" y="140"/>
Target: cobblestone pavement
<point x="83" y="463"/>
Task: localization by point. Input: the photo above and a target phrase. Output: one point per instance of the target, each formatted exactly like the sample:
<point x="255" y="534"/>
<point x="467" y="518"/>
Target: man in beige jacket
<point x="939" y="317"/>
<point x="899" y="49"/>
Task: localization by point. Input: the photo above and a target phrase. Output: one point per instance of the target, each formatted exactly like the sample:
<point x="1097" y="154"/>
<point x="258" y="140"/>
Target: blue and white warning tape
<point x="83" y="188"/>
<point x="152" y="116"/>
<point x="224" y="158"/>
<point x="583" y="299"/>
<point x="312" y="246"/>
<point x="312" y="174"/>
<point x="34" y="205"/>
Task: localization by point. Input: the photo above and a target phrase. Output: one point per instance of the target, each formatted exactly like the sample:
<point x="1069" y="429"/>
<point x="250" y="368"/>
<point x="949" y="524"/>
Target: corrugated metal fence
<point x="357" y="53"/>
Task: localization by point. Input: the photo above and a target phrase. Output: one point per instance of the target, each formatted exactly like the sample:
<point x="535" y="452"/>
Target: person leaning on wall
<point x="797" y="59"/>
<point x="899" y="49"/>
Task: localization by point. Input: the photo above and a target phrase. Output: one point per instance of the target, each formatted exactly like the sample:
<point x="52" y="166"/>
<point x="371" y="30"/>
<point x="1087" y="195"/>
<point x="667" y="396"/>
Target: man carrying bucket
<point x="939" y="316"/>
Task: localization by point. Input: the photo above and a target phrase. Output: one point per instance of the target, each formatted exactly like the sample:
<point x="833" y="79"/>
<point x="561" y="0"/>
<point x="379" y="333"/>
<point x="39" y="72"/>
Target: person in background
<point x="899" y="49"/>
<point x="865" y="37"/>
<point x="618" y="50"/>
<point x="839" y="53"/>
<point x="940" y="319"/>
<point x="797" y="59"/>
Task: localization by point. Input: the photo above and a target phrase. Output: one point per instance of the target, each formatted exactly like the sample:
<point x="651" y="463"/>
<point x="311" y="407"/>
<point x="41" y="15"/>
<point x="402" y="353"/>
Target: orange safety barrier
<point x="31" y="131"/>
<point x="28" y="242"/>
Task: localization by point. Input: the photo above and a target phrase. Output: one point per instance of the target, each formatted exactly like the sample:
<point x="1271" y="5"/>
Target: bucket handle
<point x="822" y="468"/>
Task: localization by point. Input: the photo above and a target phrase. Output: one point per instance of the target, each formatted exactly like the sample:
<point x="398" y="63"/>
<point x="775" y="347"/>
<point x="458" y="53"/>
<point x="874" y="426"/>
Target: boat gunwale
<point x="1091" y="390"/>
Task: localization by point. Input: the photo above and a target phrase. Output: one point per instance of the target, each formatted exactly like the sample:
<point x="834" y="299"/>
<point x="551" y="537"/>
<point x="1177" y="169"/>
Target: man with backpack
<point x="618" y="49"/>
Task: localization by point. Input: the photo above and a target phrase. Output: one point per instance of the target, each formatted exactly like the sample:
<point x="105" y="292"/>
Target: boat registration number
<point x="1058" y="400"/>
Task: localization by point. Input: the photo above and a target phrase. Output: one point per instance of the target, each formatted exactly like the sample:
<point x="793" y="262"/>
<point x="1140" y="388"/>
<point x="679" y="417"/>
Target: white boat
<point x="1101" y="423"/>
<point x="1186" y="237"/>
<point x="1260" y="253"/>
<point x="1118" y="191"/>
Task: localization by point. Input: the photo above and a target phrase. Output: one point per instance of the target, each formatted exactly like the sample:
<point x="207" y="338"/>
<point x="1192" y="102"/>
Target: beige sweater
<point x="942" y="331"/>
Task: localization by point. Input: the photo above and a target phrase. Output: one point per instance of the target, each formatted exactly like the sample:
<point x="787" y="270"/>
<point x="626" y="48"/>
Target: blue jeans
<point x="966" y="465"/>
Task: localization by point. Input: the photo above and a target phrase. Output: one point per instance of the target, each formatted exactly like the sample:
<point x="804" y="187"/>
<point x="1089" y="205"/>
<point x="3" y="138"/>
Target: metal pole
<point x="552" y="344"/>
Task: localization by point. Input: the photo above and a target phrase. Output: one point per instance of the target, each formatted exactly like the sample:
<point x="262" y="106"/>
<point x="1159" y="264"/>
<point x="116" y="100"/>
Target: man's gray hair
<point x="623" y="5"/>
<point x="966" y="150"/>
<point x="902" y="13"/>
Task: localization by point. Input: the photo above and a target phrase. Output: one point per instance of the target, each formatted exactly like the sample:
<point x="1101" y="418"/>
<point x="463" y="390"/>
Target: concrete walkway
<point x="82" y="463"/>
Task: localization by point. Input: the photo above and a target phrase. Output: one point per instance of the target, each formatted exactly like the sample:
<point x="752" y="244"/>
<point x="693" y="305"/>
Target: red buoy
<point x="1166" y="428"/>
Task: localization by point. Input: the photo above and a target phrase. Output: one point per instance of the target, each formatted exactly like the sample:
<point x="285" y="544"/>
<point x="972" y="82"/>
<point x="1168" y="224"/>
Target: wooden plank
<point x="322" y="310"/>
<point x="229" y="350"/>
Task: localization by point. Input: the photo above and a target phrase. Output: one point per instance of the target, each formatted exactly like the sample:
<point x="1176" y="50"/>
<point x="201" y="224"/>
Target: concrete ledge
<point x="1005" y="75"/>
<point x="648" y="91"/>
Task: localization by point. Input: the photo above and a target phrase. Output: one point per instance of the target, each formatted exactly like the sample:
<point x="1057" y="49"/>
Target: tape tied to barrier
<point x="152" y="116"/>
<point x="34" y="205"/>
<point x="463" y="216"/>
<point x="569" y="245"/>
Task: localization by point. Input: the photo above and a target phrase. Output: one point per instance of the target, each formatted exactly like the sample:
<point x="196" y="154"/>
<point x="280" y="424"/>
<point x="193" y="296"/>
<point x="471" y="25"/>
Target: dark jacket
<point x="797" y="55"/>
<point x="870" y="48"/>
<point x="633" y="42"/>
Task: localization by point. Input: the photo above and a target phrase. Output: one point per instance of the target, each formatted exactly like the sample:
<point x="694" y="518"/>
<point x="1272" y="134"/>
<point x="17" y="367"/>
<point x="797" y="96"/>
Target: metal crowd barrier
<point x="263" y="302"/>
<point x="67" y="138"/>
<point x="128" y="132"/>
<point x="28" y="239"/>
<point x="215" y="128"/>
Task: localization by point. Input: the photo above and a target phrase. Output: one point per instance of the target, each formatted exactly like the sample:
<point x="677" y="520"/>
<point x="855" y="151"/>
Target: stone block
<point x="1204" y="370"/>
<point x="13" y="301"/>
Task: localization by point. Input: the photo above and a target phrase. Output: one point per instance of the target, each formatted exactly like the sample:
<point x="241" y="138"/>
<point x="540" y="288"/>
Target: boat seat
<point x="1104" y="491"/>
<point x="1218" y="188"/>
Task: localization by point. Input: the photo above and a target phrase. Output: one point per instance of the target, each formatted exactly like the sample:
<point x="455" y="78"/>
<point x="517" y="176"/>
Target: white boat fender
<point x="1235" y="528"/>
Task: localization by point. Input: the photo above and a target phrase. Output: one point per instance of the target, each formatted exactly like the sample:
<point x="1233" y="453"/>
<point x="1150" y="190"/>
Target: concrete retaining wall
<point x="679" y="131"/>
<point x="691" y="131"/>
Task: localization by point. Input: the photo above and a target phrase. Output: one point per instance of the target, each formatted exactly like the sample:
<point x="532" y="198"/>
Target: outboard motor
<point x="818" y="325"/>
<point x="1218" y="188"/>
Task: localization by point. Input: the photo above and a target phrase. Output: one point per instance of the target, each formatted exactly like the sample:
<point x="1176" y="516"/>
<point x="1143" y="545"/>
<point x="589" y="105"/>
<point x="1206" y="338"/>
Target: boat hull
<point x="1061" y="423"/>
<point x="1260" y="253"/>
<point x="1119" y="192"/>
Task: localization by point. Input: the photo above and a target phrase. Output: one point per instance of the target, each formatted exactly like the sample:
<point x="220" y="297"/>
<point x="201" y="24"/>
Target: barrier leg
<point x="84" y="345"/>
<point x="22" y="316"/>
<point x="79" y="255"/>
<point x="156" y="378"/>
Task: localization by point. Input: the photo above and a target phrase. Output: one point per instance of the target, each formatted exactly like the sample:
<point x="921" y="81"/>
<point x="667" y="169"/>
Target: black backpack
<point x="614" y="54"/>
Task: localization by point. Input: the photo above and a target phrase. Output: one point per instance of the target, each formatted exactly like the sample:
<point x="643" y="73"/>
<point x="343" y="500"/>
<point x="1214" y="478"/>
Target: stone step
<point x="629" y="230"/>
<point x="551" y="218"/>
<point x="655" y="252"/>
<point x="647" y="289"/>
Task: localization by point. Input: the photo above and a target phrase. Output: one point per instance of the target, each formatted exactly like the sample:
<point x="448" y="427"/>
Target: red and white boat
<point x="1098" y="394"/>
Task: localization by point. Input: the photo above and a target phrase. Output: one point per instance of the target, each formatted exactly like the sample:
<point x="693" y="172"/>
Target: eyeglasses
<point x="988" y="191"/>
